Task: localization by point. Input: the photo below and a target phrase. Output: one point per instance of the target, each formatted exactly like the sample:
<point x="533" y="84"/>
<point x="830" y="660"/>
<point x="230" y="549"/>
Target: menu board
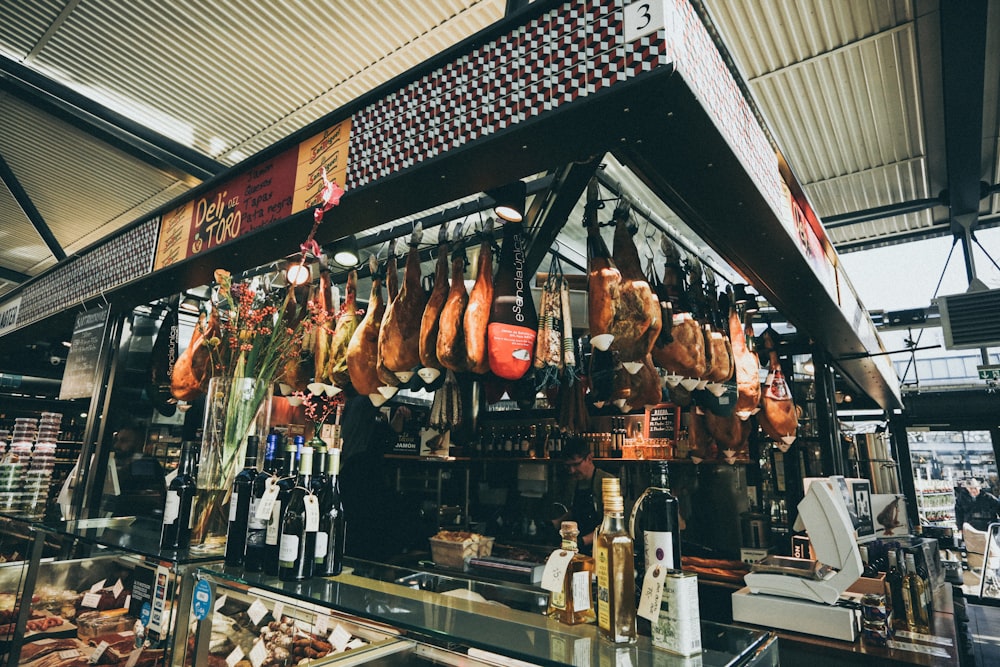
<point x="80" y="375"/>
<point x="662" y="420"/>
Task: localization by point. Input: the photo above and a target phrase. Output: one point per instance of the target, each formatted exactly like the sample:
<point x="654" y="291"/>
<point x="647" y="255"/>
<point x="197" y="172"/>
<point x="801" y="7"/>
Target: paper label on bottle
<point x="652" y="593"/>
<point x="322" y="542"/>
<point x="221" y="602"/>
<point x="288" y="550"/>
<point x="95" y="657"/>
<point x="581" y="590"/>
<point x="278" y="611"/>
<point x="258" y="654"/>
<point x="312" y="513"/>
<point x="91" y="600"/>
<point x="257" y="611"/>
<point x="235" y="656"/>
<point x="267" y="501"/>
<point x="603" y="588"/>
<point x="273" y="526"/>
<point x="253" y="523"/>
<point x="172" y="507"/>
<point x="658" y="548"/>
<point x="118" y="589"/>
<point x="340" y="637"/>
<point x="554" y="574"/>
<point x="322" y="623"/>
<point x="233" y="503"/>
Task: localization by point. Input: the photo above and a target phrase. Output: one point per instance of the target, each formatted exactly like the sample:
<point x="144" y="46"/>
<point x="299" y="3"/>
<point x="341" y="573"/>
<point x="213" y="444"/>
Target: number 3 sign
<point x="644" y="18"/>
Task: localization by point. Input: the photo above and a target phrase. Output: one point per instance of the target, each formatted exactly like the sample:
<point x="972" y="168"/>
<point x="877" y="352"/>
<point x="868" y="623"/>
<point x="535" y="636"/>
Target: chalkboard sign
<point x="662" y="420"/>
<point x="80" y="375"/>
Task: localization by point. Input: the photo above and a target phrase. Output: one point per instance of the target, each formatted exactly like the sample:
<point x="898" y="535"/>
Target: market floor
<point x="984" y="626"/>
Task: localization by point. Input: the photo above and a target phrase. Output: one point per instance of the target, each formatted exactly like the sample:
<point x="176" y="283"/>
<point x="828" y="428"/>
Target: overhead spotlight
<point x="298" y="272"/>
<point x="345" y="251"/>
<point x="740" y="296"/>
<point x="508" y="201"/>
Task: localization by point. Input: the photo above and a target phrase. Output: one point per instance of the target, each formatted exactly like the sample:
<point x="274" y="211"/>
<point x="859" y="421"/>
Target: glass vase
<point x="234" y="409"/>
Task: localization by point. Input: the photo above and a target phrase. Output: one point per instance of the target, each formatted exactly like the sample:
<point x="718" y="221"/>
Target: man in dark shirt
<point x="577" y="495"/>
<point x="979" y="508"/>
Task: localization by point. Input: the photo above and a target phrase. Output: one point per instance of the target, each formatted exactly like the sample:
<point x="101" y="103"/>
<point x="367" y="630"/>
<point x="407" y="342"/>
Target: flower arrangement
<point x="319" y="407"/>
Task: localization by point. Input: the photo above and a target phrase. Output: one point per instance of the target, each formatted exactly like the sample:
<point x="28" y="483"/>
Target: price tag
<point x="257" y="612"/>
<point x="340" y="638"/>
<point x="357" y="642"/>
<point x="69" y="654"/>
<point x="930" y="639"/>
<point x="98" y="652"/>
<point x="278" y="611"/>
<point x="652" y="593"/>
<point x="258" y="654"/>
<point x="936" y="651"/>
<point x="128" y="601"/>
<point x="98" y="586"/>
<point x="235" y="656"/>
<point x="233" y="503"/>
<point x="91" y="600"/>
<point x="118" y="589"/>
<point x="312" y="513"/>
<point x="554" y="573"/>
<point x="322" y="623"/>
<point x="266" y="504"/>
<point x="221" y="602"/>
<point x="133" y="657"/>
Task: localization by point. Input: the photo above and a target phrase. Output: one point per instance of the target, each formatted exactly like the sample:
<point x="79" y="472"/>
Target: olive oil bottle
<point x="573" y="605"/>
<point x="614" y="559"/>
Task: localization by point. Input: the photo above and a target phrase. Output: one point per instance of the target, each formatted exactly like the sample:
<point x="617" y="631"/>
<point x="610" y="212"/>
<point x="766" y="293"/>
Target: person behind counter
<point x="577" y="495"/>
<point x="977" y="507"/>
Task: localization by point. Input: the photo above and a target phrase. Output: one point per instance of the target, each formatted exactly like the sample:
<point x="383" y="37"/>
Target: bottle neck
<point x="333" y="463"/>
<point x="250" y="462"/>
<point x="660" y="477"/>
<point x="291" y="464"/>
<point x="188" y="458"/>
<point x="569" y="541"/>
<point x="319" y="463"/>
<point x="305" y="468"/>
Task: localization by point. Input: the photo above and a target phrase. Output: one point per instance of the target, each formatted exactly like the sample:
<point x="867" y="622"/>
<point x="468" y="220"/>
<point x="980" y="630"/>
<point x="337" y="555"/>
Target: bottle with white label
<point x="285" y="484"/>
<point x="239" y="505"/>
<point x="614" y="562"/>
<point x="257" y="525"/>
<point x="655" y="524"/>
<point x="573" y="604"/>
<point x="178" y="510"/>
<point x="332" y="524"/>
<point x="299" y="525"/>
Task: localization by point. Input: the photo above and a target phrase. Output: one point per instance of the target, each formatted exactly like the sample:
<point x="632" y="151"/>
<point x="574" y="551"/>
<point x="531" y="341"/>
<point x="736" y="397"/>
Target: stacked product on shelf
<point x="26" y="467"/>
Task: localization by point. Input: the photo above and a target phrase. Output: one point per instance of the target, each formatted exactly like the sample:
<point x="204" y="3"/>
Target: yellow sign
<point x="327" y="149"/>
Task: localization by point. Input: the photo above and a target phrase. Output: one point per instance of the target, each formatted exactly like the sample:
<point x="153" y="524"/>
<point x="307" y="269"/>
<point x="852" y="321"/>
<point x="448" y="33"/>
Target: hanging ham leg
<point x="477" y="313"/>
<point x="387" y="377"/>
<point x="747" y="367"/>
<point x="683" y="351"/>
<point x="399" y="338"/>
<point x="777" y="415"/>
<point x="637" y="318"/>
<point x="323" y="332"/>
<point x="347" y="324"/>
<point x="362" y="352"/>
<point x="451" y="337"/>
<point x="430" y="323"/>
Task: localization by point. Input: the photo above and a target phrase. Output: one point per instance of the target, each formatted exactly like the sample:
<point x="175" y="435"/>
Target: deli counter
<point x="102" y="592"/>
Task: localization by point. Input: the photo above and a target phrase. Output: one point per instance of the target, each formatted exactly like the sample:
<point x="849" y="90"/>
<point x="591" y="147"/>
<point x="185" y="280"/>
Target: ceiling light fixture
<point x="345" y="251"/>
<point x="190" y="304"/>
<point x="508" y="201"/>
<point x="300" y="272"/>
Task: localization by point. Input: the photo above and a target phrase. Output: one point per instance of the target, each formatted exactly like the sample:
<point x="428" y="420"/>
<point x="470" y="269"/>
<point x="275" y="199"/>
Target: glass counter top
<point x="137" y="535"/>
<point x="407" y="599"/>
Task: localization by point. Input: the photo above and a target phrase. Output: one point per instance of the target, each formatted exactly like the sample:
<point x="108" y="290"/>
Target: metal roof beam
<point x="12" y="276"/>
<point x="101" y="122"/>
<point x="963" y="69"/>
<point x="36" y="219"/>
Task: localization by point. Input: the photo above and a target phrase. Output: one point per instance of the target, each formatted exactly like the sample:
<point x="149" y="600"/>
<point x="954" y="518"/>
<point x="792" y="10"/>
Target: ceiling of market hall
<point x="886" y="110"/>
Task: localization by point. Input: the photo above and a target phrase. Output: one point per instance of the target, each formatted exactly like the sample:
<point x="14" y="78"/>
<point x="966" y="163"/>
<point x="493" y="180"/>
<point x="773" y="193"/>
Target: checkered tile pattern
<point x="563" y="55"/>
<point x="120" y="260"/>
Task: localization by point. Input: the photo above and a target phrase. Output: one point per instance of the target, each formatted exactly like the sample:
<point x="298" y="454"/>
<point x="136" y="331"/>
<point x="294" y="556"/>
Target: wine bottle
<point x="332" y="523"/>
<point x="257" y="526"/>
<point x="285" y="485"/>
<point x="614" y="559"/>
<point x="178" y="512"/>
<point x="894" y="585"/>
<point x="299" y="525"/>
<point x="573" y="605"/>
<point x="655" y="524"/>
<point x="239" y="505"/>
<point x="319" y="477"/>
<point x="914" y="594"/>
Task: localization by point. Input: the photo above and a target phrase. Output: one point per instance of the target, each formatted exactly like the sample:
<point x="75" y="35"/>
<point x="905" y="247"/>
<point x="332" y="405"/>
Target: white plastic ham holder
<point x="806" y="602"/>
